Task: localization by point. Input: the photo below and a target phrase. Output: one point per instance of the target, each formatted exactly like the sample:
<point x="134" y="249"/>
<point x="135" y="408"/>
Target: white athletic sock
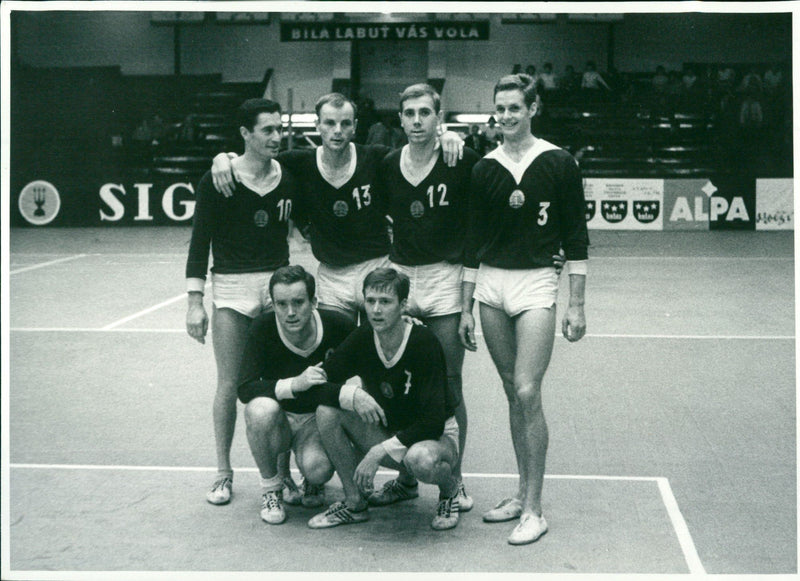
<point x="271" y="484"/>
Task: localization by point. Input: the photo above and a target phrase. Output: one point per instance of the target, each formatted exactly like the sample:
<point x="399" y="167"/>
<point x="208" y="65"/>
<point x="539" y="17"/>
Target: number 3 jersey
<point x="347" y="223"/>
<point x="522" y="213"/>
<point x="429" y="213"/>
<point x="411" y="387"/>
<point x="246" y="232"/>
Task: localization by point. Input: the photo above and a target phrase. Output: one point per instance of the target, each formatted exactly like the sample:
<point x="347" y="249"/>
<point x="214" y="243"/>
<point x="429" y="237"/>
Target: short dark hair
<point x="421" y="90"/>
<point x="292" y="274"/>
<point x="336" y="100"/>
<point x="387" y="279"/>
<point x="518" y="82"/>
<point x="248" y="112"/>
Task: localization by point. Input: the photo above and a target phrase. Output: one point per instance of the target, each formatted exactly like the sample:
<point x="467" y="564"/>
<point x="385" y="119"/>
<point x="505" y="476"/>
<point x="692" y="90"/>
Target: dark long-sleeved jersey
<point x="269" y="357"/>
<point x="411" y="388"/>
<point x="521" y="213"/>
<point x="429" y="220"/>
<point x="246" y="232"/>
<point x="348" y="226"/>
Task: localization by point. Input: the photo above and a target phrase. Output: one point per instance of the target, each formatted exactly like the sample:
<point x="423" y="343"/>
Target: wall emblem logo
<point x="340" y="209"/>
<point x="647" y="211"/>
<point x="261" y="218"/>
<point x="591" y="208"/>
<point x="417" y="209"/>
<point x="614" y="211"/>
<point x="39" y="202"/>
<point x="516" y="199"/>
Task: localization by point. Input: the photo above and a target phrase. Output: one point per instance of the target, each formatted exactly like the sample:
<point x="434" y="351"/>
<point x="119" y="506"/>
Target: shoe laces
<point x="220" y="484"/>
<point x="446" y="506"/>
<point x="461" y="490"/>
<point x="271" y="501"/>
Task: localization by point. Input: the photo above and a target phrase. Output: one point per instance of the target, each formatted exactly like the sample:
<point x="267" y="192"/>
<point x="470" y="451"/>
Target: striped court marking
<point x="48" y="263"/>
<point x="143" y="312"/>
<point x="109" y="329"/>
<point x="668" y="498"/>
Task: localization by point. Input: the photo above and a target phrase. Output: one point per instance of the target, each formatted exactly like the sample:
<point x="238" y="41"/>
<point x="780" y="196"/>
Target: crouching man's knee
<point x="262" y="413"/>
<point x="426" y="461"/>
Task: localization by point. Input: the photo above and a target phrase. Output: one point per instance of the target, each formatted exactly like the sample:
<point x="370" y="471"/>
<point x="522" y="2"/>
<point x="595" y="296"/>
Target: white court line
<point x="144" y="312"/>
<point x="681" y="529"/>
<point x="43" y="264"/>
<point x="670" y="503"/>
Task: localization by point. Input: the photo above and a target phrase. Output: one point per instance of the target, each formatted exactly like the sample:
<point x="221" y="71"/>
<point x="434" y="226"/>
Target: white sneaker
<point x="529" y="529"/>
<point x="506" y="509"/>
<point x="465" y="502"/>
<point x="446" y="514"/>
<point x="272" y="508"/>
<point x="221" y="491"/>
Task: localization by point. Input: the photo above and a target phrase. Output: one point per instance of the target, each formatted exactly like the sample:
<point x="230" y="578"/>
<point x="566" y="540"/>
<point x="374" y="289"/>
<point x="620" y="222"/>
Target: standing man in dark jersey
<point x="527" y="202"/>
<point x="402" y="367"/>
<point x="280" y="410"/>
<point x="247" y="237"/>
<point x="427" y="202"/>
<point x="348" y="230"/>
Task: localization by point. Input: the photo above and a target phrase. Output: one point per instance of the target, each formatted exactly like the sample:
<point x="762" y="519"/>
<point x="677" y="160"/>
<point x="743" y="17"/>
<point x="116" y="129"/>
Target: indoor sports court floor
<point x="672" y="424"/>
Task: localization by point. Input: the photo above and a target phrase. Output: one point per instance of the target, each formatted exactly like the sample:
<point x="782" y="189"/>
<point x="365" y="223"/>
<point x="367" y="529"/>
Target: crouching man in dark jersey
<point x="280" y="408"/>
<point x="402" y="367"/>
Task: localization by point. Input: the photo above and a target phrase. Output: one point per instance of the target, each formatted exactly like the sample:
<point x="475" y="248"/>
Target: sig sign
<point x="139" y="201"/>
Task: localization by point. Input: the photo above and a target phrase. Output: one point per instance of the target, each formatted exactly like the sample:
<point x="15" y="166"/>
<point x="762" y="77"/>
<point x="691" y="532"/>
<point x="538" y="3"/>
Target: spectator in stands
<point x="367" y="117"/>
<point x="660" y="80"/>
<point x="530" y="70"/>
<point x="592" y="82"/>
<point x="726" y="78"/>
<point x="773" y="78"/>
<point x="751" y="83"/>
<point x="476" y="140"/>
<point x="547" y="78"/>
<point x="492" y="135"/>
<point x="689" y="79"/>
<point x="188" y="133"/>
<point x="570" y="80"/>
<point x="385" y="132"/>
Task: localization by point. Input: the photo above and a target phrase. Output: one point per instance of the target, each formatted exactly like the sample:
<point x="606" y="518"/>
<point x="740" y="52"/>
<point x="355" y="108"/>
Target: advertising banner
<point x="624" y="204"/>
<point x="732" y="205"/>
<point x="775" y="204"/>
<point x="686" y="204"/>
<point x="123" y="199"/>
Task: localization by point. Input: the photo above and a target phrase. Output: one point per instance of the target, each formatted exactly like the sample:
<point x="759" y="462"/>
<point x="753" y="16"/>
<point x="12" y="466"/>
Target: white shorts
<point x="435" y="288"/>
<point x="299" y="423"/>
<point x="340" y="287"/>
<point x="246" y="293"/>
<point x="515" y="291"/>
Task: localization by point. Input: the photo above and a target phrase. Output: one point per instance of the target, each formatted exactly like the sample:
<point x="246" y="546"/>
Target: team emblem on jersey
<point x="591" y="208"/>
<point x="614" y="211"/>
<point x="261" y="218"/>
<point x="516" y="199"/>
<point x="646" y="211"/>
<point x="340" y="209"/>
<point x="386" y="390"/>
<point x="328" y="354"/>
<point x="417" y="209"/>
